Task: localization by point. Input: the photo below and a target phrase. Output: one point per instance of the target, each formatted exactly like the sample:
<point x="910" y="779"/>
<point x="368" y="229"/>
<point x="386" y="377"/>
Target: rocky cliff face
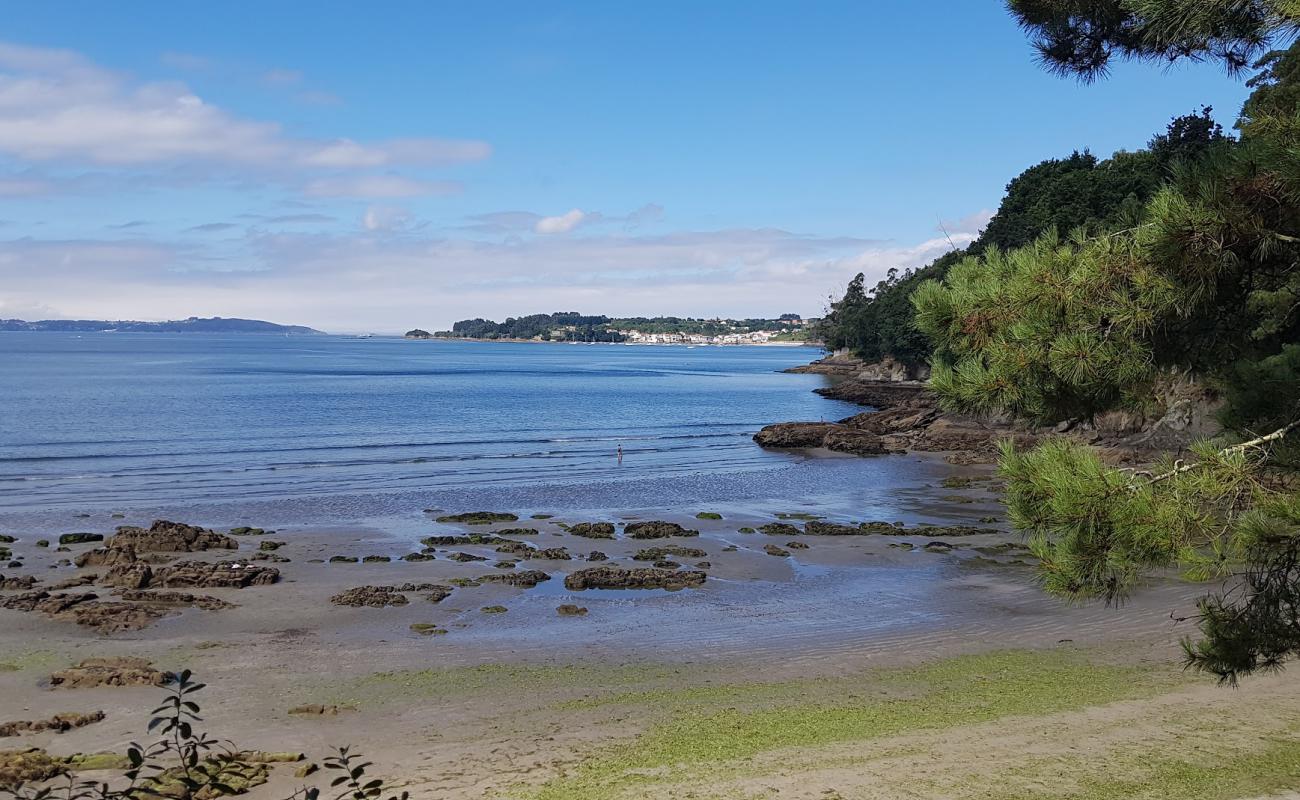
<point x="907" y="416"/>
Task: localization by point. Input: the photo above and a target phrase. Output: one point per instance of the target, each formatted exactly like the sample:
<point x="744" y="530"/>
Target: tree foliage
<point x="1208" y="282"/>
<point x="1067" y="328"/>
<point x="1080" y="37"/>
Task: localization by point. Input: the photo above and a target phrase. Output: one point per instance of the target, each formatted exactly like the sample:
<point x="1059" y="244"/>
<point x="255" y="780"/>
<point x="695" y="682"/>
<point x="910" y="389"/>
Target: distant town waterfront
<point x="575" y="327"/>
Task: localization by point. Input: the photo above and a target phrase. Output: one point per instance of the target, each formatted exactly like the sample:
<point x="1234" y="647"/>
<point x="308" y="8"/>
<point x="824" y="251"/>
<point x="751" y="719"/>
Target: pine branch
<point x="1180" y="467"/>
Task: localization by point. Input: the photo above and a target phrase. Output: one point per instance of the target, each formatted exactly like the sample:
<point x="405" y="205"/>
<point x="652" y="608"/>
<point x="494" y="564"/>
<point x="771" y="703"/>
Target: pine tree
<point x="1206" y="281"/>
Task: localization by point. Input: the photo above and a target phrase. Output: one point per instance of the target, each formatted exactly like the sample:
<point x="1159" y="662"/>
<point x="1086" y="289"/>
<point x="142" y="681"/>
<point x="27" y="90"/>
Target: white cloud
<point x="378" y="186"/>
<point x="561" y="224"/>
<point x="57" y="105"/>
<point x="368" y="280"/>
<point x="385" y="218"/>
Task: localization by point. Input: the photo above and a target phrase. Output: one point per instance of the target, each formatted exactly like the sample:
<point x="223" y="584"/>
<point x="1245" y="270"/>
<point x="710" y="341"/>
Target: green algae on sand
<point x="742" y="722"/>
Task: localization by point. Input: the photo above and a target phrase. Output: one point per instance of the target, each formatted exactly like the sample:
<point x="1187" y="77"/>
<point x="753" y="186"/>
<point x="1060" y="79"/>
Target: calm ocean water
<point x="341" y="429"/>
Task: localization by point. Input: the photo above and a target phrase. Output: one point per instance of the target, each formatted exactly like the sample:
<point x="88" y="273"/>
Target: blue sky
<point x="383" y="166"/>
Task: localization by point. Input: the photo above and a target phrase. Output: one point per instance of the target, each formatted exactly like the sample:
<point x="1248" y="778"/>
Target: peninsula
<point x="189" y="325"/>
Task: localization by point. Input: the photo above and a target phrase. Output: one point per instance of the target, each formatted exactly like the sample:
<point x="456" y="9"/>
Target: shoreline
<point x="492" y="691"/>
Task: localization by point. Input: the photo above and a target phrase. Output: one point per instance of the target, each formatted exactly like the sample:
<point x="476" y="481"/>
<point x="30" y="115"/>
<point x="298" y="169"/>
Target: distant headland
<point x="190" y="325"/>
<point x="570" y="326"/>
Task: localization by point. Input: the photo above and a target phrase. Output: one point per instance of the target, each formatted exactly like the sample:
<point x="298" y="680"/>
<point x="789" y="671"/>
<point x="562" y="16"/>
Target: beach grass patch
<point x="408" y="686"/>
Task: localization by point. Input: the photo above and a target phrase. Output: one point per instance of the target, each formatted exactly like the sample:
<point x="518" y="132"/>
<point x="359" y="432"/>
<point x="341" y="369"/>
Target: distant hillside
<point x="191" y="325"/>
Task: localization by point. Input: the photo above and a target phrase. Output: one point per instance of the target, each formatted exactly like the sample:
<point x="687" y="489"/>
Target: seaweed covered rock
<point x="478" y="518"/>
<point x="549" y="554"/>
<point x="571" y="610"/>
<point x="773" y="550"/>
<point x="164" y="536"/>
<point x="526" y="577"/>
<point x="465" y="557"/>
<point x="372" y="596"/>
<point x="517" y="532"/>
<point x="28" y="766"/>
<point x="80" y="538"/>
<point x="610" y="577"/>
<point x="780" y="529"/>
<point x="461" y="539"/>
<point x="942" y="530"/>
<point x="515" y="548"/>
<point x="823" y="528"/>
<point x="656" y="529"/>
<point x="593" y="530"/>
<point x="115" y="671"/>
<point x="660" y="553"/>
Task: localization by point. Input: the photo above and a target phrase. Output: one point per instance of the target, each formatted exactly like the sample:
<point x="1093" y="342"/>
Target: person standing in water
<point x="619" y="453"/>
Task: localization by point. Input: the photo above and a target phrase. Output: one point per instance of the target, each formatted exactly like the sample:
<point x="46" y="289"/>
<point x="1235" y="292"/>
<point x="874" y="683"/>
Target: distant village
<point x="633" y="336"/>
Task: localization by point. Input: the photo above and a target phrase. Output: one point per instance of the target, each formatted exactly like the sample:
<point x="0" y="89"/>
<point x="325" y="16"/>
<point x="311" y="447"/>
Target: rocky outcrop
<point x="79" y="538"/>
<point x="220" y="575"/>
<point x="549" y="554"/>
<point x="831" y="435"/>
<point x="571" y="610"/>
<point x="608" y="577"/>
<point x="18" y="767"/>
<point x="17" y="583"/>
<point x="171" y="537"/>
<point x="107" y="557"/>
<point x="660" y="553"/>
<point x="593" y="530"/>
<point x="202" y="601"/>
<point x="87" y="609"/>
<point x="118" y="671"/>
<point x="525" y="578"/>
<point x="881" y="394"/>
<point x="838" y="364"/>
<point x="59" y="723"/>
<point x="822" y="528"/>
<point x="779" y="529"/>
<point x="478" y="518"/>
<point x="857" y="442"/>
<point x="795" y="434"/>
<point x="773" y="550"/>
<point x="656" y="529"/>
<point x="190" y="574"/>
<point x="373" y="596"/>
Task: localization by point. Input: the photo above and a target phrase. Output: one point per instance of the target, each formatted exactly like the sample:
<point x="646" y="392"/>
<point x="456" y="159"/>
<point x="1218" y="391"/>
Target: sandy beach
<point x="937" y="650"/>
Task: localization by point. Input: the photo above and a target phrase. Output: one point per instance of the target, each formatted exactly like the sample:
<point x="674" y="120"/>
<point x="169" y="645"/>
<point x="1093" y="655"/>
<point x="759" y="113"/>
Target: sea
<point x="321" y="429"/>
